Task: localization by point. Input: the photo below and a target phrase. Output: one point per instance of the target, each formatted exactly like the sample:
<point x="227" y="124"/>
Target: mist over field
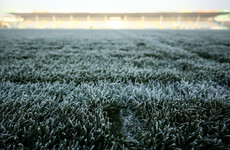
<point x="114" y="89"/>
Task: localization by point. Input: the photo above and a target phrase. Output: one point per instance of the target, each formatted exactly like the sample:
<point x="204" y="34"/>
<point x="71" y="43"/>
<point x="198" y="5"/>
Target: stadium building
<point x="215" y="19"/>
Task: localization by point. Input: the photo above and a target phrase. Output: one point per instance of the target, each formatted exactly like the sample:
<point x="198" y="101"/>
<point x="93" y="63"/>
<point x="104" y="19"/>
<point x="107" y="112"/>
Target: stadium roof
<point x="157" y="14"/>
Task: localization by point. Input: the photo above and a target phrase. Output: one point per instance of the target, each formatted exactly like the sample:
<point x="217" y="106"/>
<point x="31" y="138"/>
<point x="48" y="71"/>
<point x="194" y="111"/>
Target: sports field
<point x="114" y="89"/>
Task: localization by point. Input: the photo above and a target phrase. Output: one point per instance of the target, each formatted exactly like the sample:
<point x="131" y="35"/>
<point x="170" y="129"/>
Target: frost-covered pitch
<point x="119" y="89"/>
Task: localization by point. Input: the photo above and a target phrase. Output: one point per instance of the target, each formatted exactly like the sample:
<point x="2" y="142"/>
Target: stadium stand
<point x="216" y="19"/>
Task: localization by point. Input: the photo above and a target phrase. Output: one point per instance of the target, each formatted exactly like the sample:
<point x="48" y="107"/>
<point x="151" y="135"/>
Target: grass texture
<point x="114" y="89"/>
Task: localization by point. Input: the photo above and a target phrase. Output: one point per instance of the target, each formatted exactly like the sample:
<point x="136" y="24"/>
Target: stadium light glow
<point x="115" y="23"/>
<point x="112" y="24"/>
